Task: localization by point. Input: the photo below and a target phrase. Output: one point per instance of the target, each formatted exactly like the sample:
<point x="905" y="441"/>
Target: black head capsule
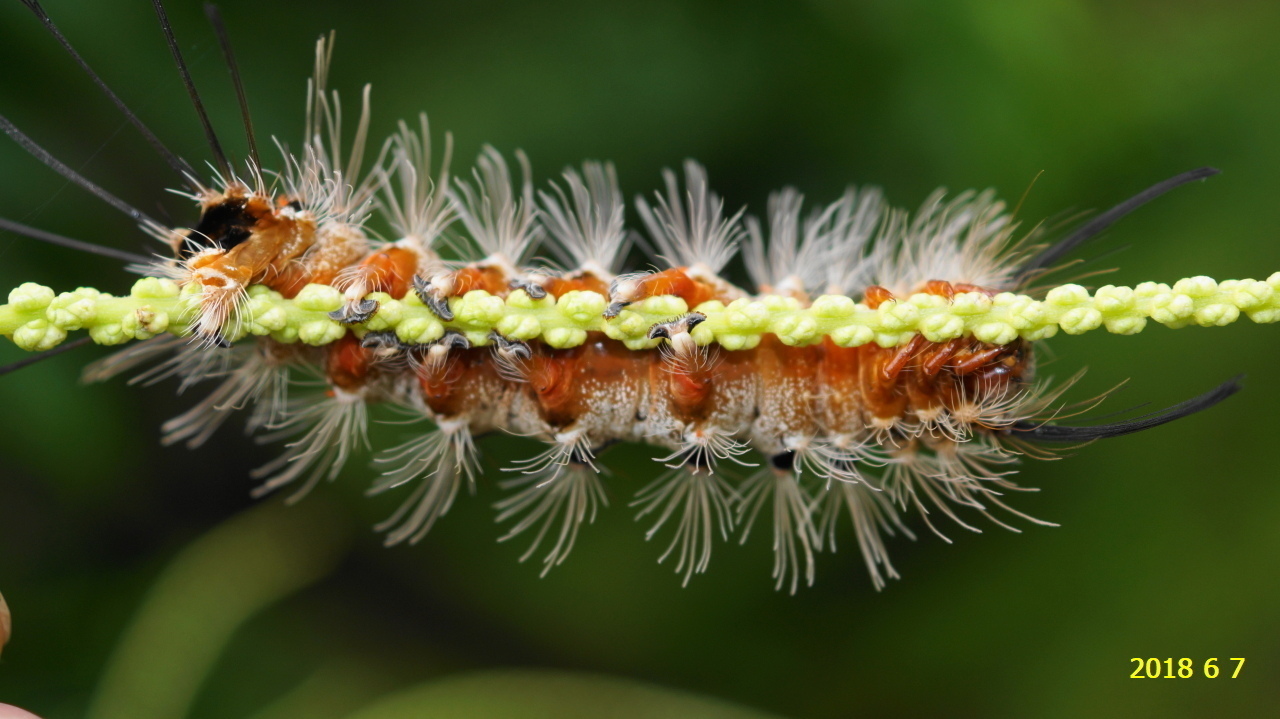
<point x="223" y="226"/>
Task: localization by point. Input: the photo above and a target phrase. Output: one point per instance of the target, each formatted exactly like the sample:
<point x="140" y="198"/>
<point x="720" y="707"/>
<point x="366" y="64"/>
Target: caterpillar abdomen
<point x="883" y="362"/>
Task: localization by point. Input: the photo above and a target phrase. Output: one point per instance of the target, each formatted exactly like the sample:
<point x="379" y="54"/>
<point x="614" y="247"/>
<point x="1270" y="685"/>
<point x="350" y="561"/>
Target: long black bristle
<point x="64" y="347"/>
<point x="1060" y="433"/>
<point x="214" y="146"/>
<point x="52" y="162"/>
<point x="1100" y="223"/>
<point x="59" y="240"/>
<point x="173" y="160"/>
<point x="224" y="39"/>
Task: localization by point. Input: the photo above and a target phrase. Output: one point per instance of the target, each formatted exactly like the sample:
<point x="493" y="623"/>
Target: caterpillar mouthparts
<point x="883" y="363"/>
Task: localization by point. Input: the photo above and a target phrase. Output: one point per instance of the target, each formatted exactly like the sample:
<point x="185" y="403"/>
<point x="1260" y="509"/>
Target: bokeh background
<point x="145" y="583"/>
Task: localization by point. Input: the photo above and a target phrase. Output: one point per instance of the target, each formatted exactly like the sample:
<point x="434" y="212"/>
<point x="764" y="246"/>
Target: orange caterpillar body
<point x="862" y="431"/>
<point x="816" y="432"/>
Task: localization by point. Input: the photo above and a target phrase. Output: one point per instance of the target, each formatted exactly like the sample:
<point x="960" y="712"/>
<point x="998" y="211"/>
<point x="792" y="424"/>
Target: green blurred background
<point x="145" y="583"/>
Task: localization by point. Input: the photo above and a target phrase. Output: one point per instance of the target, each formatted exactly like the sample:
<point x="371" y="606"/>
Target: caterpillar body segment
<point x="881" y="363"/>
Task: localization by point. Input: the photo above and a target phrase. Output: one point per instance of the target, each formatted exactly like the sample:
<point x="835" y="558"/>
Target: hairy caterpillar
<point x="868" y="416"/>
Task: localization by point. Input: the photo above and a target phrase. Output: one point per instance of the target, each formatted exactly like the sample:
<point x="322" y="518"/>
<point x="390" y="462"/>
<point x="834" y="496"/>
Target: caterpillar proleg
<point x="879" y="364"/>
